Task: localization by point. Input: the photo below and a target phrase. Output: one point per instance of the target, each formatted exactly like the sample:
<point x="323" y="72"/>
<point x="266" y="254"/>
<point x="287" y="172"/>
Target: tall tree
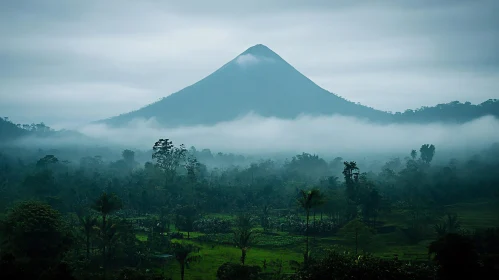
<point x="358" y="231"/>
<point x="185" y="217"/>
<point x="427" y="152"/>
<point x="308" y="200"/>
<point x="185" y="254"/>
<point x="414" y="154"/>
<point x="168" y="157"/>
<point x="106" y="204"/>
<point x="35" y="231"/>
<point x="87" y="222"/>
<point x="351" y="174"/>
<point x="243" y="235"/>
<point x="128" y="156"/>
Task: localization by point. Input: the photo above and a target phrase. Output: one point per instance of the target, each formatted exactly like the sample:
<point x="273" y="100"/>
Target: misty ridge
<point x="259" y="105"/>
<point x="253" y="134"/>
<point x="258" y="138"/>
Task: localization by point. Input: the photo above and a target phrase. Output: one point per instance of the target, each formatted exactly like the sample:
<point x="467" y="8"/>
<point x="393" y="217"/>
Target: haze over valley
<point x="257" y="103"/>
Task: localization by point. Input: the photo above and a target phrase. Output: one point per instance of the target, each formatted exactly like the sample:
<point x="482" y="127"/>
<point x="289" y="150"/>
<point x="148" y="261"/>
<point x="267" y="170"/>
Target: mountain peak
<point x="256" y="81"/>
<point x="260" y="50"/>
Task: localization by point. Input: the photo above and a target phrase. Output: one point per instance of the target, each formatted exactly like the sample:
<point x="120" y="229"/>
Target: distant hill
<point x="455" y="112"/>
<point x="259" y="81"/>
<point x="10" y="131"/>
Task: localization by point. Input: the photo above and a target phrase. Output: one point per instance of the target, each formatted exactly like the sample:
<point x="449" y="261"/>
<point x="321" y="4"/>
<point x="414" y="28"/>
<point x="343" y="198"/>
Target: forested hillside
<point x="9" y="130"/>
<point x="455" y="111"/>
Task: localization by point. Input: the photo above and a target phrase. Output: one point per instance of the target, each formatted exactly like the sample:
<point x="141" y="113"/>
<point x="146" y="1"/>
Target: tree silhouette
<point x="184" y="254"/>
<point x="34" y="231"/>
<point x="185" y="217"/>
<point x="308" y="200"/>
<point x="450" y="225"/>
<point x="243" y="235"/>
<point x="351" y="174"/>
<point x="46" y="160"/>
<point x="106" y="205"/>
<point x="87" y="222"/>
<point x="168" y="157"/>
<point x="427" y="152"/>
<point x="414" y="154"/>
<point x="361" y="233"/>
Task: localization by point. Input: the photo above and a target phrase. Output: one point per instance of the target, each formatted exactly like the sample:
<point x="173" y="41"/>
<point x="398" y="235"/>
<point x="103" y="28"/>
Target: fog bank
<point x="337" y="135"/>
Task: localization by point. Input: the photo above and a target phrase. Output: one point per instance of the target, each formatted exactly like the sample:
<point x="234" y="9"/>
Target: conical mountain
<point x="258" y="81"/>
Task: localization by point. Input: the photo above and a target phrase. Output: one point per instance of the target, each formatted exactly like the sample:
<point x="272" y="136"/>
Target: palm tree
<point x="308" y="200"/>
<point x="184" y="255"/>
<point x="243" y="236"/>
<point x="87" y="222"/>
<point x="111" y="234"/>
<point x="106" y="205"/>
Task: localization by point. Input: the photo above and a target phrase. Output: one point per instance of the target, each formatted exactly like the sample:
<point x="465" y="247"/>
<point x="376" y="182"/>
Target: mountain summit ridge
<point x="256" y="81"/>
<point x="260" y="50"/>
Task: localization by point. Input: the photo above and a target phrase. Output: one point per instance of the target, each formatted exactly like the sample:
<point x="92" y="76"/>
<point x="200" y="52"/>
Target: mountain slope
<point x="259" y="81"/>
<point x="9" y="131"/>
<point x="452" y="112"/>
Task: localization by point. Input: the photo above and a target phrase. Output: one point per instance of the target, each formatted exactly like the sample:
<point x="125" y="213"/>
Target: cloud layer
<point x="328" y="135"/>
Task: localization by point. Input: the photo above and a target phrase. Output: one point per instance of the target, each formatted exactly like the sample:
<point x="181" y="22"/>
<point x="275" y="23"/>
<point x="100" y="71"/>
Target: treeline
<point x="455" y="111"/>
<point x="85" y="211"/>
<point x="146" y="187"/>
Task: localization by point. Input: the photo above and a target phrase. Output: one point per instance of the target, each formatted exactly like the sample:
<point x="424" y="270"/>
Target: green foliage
<point x="131" y="222"/>
<point x="427" y="152"/>
<point x="185" y="217"/>
<point x="46" y="160"/>
<point x="168" y="157"/>
<point x="129" y="273"/>
<point x="36" y="231"/>
<point x="42" y="183"/>
<point x="107" y="204"/>
<point x="128" y="156"/>
<point x="233" y="271"/>
<point x="337" y="266"/>
<point x="213" y="225"/>
<point x="185" y="254"/>
<point x="308" y="200"/>
<point x="244" y="235"/>
<point x="88" y="224"/>
<point x="357" y="233"/>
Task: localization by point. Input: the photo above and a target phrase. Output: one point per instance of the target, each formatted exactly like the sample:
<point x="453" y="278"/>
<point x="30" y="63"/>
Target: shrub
<point x="176" y="235"/>
<point x="213" y="225"/>
<point x="343" y="266"/>
<point x="233" y="271"/>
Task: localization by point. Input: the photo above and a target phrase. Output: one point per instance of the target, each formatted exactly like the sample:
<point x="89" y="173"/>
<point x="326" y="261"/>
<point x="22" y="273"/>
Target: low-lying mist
<point x="326" y="135"/>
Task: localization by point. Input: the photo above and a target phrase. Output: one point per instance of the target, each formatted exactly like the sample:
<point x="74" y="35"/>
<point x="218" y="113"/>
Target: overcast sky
<point x="71" y="62"/>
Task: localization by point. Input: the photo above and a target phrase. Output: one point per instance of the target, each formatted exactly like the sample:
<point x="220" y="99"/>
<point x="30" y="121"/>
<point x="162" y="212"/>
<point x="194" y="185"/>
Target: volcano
<point x="257" y="81"/>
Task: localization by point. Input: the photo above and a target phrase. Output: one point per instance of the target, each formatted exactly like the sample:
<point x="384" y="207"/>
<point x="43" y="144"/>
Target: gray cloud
<point x="70" y="62"/>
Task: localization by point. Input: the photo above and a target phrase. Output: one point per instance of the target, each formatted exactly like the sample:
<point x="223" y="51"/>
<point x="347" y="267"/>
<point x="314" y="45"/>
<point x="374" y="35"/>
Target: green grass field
<point x="287" y="247"/>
